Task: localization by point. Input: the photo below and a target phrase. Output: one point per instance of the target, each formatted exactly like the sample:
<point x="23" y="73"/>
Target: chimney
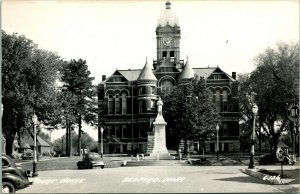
<point x="103" y="77"/>
<point x="234" y="75"/>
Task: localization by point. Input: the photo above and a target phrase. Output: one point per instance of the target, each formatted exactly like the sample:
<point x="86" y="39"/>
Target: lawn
<point x="64" y="163"/>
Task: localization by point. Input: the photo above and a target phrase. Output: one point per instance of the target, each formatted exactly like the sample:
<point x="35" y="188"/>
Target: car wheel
<point x="7" y="187"/>
<point x="90" y="166"/>
<point x="102" y="166"/>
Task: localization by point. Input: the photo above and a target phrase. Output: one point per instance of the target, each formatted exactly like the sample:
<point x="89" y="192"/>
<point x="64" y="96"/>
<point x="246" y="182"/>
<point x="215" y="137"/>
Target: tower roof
<point x="167" y="17"/>
<point x="147" y="73"/>
<point x="187" y="71"/>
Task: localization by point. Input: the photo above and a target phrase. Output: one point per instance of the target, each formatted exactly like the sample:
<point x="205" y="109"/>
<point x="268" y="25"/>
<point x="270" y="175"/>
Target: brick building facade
<point x="127" y="98"/>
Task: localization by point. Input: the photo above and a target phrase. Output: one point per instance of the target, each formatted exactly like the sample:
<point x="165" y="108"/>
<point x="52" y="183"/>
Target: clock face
<point x="167" y="41"/>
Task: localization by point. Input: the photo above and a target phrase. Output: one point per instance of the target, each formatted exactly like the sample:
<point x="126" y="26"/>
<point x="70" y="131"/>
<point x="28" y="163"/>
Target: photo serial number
<point x="149" y="180"/>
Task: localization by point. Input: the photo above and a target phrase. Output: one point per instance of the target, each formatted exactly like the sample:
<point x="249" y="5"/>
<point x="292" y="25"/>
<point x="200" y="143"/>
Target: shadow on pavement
<point x="242" y="179"/>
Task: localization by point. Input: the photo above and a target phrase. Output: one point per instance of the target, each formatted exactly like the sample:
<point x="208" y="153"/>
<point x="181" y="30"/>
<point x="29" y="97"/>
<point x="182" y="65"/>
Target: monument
<point x="160" y="150"/>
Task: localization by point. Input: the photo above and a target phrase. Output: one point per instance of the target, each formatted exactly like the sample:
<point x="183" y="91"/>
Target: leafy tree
<point x="87" y="142"/>
<point x="274" y="82"/>
<point x="28" y="85"/>
<point x="77" y="81"/>
<point x="189" y="113"/>
<point x="112" y="142"/>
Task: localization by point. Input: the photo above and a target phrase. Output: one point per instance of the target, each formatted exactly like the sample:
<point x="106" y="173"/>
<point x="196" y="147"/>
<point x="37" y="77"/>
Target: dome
<point x="167" y="17"/>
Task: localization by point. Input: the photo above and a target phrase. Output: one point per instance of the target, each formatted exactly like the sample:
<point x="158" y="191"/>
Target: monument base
<point x="158" y="156"/>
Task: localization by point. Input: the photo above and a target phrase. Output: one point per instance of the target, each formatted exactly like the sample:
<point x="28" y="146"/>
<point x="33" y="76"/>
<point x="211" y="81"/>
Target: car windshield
<point x="94" y="155"/>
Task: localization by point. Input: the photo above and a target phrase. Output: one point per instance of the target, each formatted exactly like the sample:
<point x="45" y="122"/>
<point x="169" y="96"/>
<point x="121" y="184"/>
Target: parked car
<point x="13" y="176"/>
<point x="28" y="155"/>
<point x="90" y="160"/>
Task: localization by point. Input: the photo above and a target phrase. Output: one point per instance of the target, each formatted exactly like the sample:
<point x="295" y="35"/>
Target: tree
<point x="274" y="82"/>
<point x="189" y="112"/>
<point x="29" y="75"/>
<point x="87" y="142"/>
<point x="77" y="81"/>
<point x="112" y="142"/>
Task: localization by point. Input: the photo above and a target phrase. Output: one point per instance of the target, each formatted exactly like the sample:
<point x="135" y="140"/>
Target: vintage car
<point x="13" y="176"/>
<point x="90" y="160"/>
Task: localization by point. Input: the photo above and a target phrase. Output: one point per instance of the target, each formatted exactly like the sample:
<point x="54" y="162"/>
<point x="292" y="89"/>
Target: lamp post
<point x="101" y="151"/>
<point x="217" y="129"/>
<point x="35" y="121"/>
<point x="252" y="153"/>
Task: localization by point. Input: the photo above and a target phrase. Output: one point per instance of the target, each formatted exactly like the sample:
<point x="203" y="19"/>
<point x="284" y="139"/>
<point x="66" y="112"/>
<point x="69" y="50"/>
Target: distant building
<point x="26" y="143"/>
<point x="127" y="98"/>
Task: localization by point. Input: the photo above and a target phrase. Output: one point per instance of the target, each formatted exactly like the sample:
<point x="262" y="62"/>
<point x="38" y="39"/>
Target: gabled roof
<point x="27" y="139"/>
<point x="204" y="72"/>
<point x="131" y="74"/>
<point x="220" y="71"/>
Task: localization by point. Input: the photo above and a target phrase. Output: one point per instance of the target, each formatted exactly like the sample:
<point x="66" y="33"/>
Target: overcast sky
<point x="112" y="35"/>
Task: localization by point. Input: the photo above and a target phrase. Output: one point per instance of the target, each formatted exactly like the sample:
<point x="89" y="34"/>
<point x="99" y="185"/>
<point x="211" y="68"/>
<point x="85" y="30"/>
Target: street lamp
<point x="217" y="129"/>
<point x="251" y="164"/>
<point x="35" y="121"/>
<point x="101" y="151"/>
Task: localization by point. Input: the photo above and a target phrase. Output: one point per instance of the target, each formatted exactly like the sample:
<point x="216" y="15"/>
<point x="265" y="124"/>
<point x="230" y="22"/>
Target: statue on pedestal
<point x="159" y="106"/>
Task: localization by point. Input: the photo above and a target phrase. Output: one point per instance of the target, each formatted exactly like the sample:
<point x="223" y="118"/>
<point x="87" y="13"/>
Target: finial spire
<point x="187" y="58"/>
<point x="168" y="5"/>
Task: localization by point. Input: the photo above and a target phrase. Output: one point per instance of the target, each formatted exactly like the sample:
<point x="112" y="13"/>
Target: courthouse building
<point x="127" y="98"/>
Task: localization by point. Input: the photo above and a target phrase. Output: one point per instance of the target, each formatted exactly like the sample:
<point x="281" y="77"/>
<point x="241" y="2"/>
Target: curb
<point x="274" y="180"/>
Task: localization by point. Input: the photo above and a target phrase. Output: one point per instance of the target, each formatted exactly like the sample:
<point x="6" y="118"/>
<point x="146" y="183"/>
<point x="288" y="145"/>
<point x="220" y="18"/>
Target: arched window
<point x="211" y="95"/>
<point x="218" y="101"/>
<point x="225" y="101"/>
<point x="124" y="104"/>
<point x="166" y="86"/>
<point x="110" y="104"/>
<point x="117" y="104"/>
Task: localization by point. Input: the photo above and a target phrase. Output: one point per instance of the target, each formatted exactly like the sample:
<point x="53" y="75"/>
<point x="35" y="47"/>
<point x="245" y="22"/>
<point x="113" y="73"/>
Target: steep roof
<point x="131" y="74"/>
<point x="187" y="72"/>
<point x="204" y="72"/>
<point x="147" y="73"/>
<point x="42" y="142"/>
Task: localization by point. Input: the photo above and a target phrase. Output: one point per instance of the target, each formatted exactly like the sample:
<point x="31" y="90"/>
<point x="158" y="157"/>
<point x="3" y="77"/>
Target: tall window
<point x="218" y="101"/>
<point x="225" y="101"/>
<point x="211" y="95"/>
<point x="225" y="129"/>
<point x="112" y="131"/>
<point x="140" y="106"/>
<point x="110" y="104"/>
<point x="118" y="131"/>
<point x="164" y="54"/>
<point x="117" y="102"/>
<point x="124" y="104"/>
<point x="124" y="131"/>
<point x="171" y="53"/>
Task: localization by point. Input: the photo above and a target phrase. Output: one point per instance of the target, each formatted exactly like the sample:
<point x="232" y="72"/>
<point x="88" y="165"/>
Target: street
<point x="153" y="179"/>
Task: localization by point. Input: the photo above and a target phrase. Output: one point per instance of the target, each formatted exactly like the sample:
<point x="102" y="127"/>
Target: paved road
<point x="171" y="179"/>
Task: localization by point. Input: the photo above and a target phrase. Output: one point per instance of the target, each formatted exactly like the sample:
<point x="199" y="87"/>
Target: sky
<point x="120" y="34"/>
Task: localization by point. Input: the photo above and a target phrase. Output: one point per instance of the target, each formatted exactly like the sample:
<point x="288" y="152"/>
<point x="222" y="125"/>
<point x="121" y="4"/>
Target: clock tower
<point x="168" y="37"/>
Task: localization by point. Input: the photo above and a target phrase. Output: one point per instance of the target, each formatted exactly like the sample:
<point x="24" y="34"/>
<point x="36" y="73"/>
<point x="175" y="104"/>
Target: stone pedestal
<point x="160" y="151"/>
